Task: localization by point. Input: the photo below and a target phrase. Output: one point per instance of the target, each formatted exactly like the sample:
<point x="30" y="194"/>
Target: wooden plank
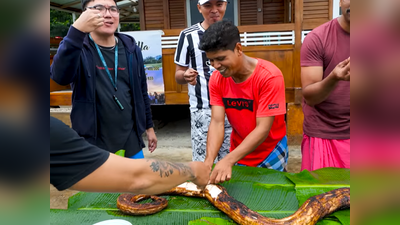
<point x="317" y="4"/>
<point x="316" y="12"/>
<point x="313" y="23"/>
<point x="260" y="16"/>
<point x="311" y="8"/>
<point x="298" y="41"/>
<point x="248" y="12"/>
<point x="267" y="27"/>
<point x="311" y="1"/>
<point x="286" y="6"/>
<point x="176" y="99"/>
<point x="315" y="16"/>
<point x="172" y="32"/>
<point x="60" y="98"/>
<point x="294" y="123"/>
<point x="142" y="15"/>
<point x="177" y="11"/>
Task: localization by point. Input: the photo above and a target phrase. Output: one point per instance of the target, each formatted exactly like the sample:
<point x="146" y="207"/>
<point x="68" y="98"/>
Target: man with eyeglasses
<point x="111" y="107"/>
<point x="193" y="68"/>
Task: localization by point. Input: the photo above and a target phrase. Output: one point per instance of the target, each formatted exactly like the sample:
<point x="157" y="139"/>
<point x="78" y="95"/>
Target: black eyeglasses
<point x="114" y="11"/>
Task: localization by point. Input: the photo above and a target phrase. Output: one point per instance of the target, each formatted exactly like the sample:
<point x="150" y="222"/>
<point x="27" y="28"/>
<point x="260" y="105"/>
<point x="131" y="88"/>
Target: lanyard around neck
<point x="114" y="83"/>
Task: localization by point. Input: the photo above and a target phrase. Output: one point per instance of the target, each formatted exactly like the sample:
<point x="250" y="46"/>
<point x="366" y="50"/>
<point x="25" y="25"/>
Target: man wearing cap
<point x="193" y="68"/>
<point x="110" y="104"/>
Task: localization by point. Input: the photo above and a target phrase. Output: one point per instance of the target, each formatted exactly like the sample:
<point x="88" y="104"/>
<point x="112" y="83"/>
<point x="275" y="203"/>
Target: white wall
<point x="336" y="9"/>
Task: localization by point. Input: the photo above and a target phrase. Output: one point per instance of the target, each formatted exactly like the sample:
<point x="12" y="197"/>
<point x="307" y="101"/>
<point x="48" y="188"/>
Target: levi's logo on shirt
<point x="238" y="103"/>
<point x="273" y="106"/>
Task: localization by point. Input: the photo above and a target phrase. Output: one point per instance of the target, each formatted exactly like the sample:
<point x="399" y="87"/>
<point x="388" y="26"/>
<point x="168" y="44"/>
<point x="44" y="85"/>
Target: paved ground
<point x="174" y="145"/>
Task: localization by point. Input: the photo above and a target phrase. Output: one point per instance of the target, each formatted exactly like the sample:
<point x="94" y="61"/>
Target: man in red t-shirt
<point x="252" y="94"/>
<point x="325" y="76"/>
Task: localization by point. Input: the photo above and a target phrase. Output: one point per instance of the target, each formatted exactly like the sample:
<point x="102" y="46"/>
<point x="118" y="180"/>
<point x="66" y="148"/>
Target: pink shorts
<point x="319" y="153"/>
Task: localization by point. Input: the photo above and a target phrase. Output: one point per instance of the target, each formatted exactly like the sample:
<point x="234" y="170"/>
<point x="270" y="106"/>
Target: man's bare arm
<point x="185" y="75"/>
<point x="179" y="71"/>
<point x="253" y="140"/>
<point x="141" y="176"/>
<point x="216" y="133"/>
<point x="316" y="89"/>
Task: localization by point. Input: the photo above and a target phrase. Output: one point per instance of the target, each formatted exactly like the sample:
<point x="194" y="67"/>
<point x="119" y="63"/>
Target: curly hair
<point x="222" y="35"/>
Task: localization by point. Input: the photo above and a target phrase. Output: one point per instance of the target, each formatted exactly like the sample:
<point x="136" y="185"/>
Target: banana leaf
<point x="268" y="192"/>
<point x="211" y="221"/>
<point x="121" y="153"/>
<point x="308" y="184"/>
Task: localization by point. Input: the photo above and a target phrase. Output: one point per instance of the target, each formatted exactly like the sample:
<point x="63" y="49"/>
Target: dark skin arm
<point x="185" y="75"/>
<point x="316" y="89"/>
<point x="223" y="170"/>
<point x="215" y="137"/>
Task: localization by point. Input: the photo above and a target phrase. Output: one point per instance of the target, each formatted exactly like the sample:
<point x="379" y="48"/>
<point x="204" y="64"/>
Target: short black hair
<point x="85" y="2"/>
<point x="222" y="35"/>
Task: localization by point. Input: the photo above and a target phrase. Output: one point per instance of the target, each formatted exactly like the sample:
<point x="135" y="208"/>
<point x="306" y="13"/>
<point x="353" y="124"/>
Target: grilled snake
<point x="309" y="213"/>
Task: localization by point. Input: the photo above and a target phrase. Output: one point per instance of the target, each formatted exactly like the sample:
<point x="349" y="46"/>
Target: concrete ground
<point x="173" y="144"/>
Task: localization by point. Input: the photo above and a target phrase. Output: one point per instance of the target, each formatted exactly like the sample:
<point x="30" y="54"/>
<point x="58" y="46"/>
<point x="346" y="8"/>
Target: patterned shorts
<point x="278" y="158"/>
<point x="200" y="121"/>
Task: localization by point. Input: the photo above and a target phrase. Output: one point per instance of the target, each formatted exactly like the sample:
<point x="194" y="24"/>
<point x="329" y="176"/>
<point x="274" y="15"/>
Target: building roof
<point x="129" y="9"/>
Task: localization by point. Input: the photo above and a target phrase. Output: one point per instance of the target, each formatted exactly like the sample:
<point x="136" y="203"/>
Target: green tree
<point x="130" y="27"/>
<point x="59" y="23"/>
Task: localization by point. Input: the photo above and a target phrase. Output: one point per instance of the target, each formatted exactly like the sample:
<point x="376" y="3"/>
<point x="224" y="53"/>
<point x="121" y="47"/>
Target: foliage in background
<point x="130" y="27"/>
<point x="59" y="23"/>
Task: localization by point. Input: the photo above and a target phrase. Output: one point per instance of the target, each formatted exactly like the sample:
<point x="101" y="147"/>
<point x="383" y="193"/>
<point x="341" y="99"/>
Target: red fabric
<point x="326" y="46"/>
<point x="320" y="153"/>
<point x="261" y="95"/>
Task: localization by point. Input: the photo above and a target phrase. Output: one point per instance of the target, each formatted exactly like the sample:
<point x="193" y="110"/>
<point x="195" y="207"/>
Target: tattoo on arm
<point x="166" y="169"/>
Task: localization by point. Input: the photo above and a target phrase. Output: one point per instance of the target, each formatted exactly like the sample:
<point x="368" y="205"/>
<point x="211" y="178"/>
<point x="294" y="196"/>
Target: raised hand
<point x="190" y="76"/>
<point x="89" y="20"/>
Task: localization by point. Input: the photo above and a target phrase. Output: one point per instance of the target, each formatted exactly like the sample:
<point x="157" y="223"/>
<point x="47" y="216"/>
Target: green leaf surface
<point x="121" y="153"/>
<point x="268" y="192"/>
<point x="211" y="221"/>
<point x="308" y="184"/>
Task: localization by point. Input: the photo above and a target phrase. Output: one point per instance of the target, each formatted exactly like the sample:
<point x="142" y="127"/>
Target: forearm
<point x="215" y="139"/>
<point x="179" y="77"/>
<point x="139" y="176"/>
<point x="249" y="144"/>
<point x="160" y="176"/>
<point x="318" y="92"/>
<point x="67" y="60"/>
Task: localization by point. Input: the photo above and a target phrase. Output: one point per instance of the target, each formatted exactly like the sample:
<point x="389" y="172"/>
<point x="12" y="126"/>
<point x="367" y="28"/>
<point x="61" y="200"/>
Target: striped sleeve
<point x="181" y="53"/>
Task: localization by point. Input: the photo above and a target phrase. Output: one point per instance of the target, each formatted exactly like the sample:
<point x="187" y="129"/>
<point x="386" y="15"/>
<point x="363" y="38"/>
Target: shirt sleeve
<point x="181" y="53"/>
<point x="272" y="100"/>
<point x="312" y="51"/>
<point x="215" y="90"/>
<point x="72" y="158"/>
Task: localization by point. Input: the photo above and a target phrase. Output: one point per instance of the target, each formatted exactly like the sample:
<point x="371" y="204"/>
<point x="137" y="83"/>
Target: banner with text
<point x="150" y="43"/>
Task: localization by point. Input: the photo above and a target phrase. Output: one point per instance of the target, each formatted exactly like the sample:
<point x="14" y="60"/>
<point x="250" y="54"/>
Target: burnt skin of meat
<point x="309" y="213"/>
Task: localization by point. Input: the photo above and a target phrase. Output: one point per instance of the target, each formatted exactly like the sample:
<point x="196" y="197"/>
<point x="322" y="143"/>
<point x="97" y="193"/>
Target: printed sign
<point x="150" y="43"/>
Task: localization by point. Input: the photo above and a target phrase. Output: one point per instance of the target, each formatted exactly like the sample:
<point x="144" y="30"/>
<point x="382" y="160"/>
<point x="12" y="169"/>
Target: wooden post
<point x="260" y="12"/>
<point x="295" y="113"/>
<point x="298" y="42"/>
<point x="141" y="14"/>
<point x="167" y="20"/>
